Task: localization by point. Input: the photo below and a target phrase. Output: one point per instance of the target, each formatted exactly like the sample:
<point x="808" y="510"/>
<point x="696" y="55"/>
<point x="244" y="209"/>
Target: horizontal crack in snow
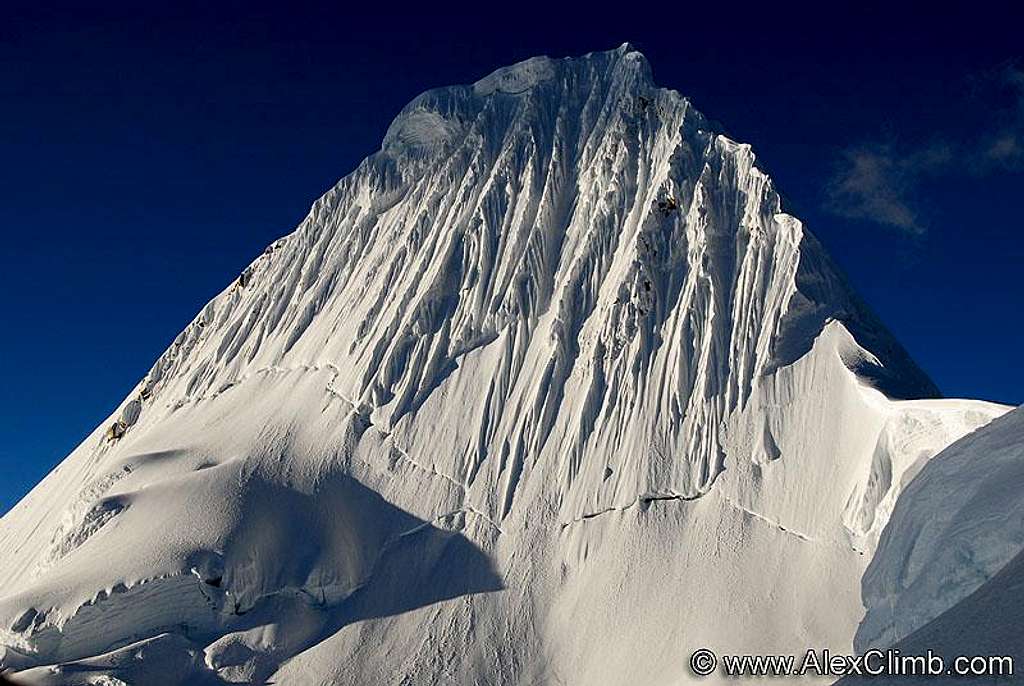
<point x="643" y="500"/>
<point x="767" y="520"/>
<point x="417" y="465"/>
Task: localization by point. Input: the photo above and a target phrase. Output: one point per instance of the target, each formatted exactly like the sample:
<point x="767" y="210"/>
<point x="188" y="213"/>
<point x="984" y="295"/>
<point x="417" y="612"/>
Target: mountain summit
<point x="549" y="390"/>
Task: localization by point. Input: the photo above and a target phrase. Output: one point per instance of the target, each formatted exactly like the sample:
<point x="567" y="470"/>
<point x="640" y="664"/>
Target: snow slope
<point x="550" y="390"/>
<point x="949" y="572"/>
<point x="961" y="521"/>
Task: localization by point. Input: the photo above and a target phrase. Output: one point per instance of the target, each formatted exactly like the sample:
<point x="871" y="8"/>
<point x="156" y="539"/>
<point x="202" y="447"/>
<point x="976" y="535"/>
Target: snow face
<point x="549" y="390"/>
<point x="516" y="79"/>
<point x="961" y="521"/>
<point x="987" y="622"/>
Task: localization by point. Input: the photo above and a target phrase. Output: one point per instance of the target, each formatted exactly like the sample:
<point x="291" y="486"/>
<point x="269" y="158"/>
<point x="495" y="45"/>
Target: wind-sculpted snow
<point x="547" y="390"/>
<point x="958" y="526"/>
<point x="984" y="623"/>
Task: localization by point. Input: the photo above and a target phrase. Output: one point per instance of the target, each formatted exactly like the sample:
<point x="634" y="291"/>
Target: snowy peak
<point x="442" y="114"/>
<point x="607" y="274"/>
<point x="624" y="63"/>
<point x="557" y="343"/>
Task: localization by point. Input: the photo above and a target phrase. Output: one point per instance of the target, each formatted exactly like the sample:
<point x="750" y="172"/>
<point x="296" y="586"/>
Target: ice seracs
<point x="550" y="389"/>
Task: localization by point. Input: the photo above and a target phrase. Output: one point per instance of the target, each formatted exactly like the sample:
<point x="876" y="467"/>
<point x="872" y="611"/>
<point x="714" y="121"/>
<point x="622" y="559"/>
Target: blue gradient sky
<point x="147" y="155"/>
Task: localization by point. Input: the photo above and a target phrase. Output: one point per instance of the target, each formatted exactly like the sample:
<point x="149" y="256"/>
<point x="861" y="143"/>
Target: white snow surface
<point x="959" y="523"/>
<point x="550" y="390"/>
<point x="949" y="570"/>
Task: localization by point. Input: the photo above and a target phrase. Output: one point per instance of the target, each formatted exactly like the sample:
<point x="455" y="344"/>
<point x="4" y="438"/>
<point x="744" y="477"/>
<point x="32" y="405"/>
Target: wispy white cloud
<point x="881" y="182"/>
<point x="874" y="184"/>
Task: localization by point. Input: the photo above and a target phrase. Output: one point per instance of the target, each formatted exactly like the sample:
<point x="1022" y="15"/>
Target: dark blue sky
<point x="148" y="154"/>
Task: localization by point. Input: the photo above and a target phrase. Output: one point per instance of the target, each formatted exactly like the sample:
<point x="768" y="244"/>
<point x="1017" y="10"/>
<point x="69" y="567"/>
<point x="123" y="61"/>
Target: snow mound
<point x="985" y="623"/>
<point x="959" y="522"/>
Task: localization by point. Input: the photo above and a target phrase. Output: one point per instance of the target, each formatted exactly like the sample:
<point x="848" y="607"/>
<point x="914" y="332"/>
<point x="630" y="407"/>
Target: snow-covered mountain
<point x="550" y="390"/>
